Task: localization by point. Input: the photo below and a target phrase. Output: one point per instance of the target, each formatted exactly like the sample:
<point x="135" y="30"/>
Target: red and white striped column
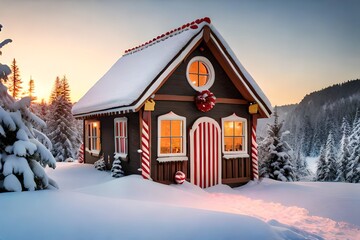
<point x="254" y="152"/>
<point x="145" y="145"/>
<point x="81" y="154"/>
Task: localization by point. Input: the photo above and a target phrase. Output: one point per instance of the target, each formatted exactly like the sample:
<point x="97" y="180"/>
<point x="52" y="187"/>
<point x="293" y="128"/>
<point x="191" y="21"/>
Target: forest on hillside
<point x="325" y="124"/>
<point x="320" y="113"/>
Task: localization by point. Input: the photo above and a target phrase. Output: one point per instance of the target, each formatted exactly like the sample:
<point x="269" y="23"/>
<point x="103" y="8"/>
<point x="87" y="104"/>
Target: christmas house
<point x="180" y="102"/>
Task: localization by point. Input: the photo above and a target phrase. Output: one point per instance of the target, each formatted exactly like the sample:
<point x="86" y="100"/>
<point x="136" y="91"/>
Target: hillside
<point x="310" y="121"/>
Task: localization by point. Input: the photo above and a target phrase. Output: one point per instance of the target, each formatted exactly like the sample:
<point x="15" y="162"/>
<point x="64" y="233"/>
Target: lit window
<point x="171" y="135"/>
<point x="120" y="135"/>
<point x="92" y="136"/>
<point x="200" y="73"/>
<point x="234" y="135"/>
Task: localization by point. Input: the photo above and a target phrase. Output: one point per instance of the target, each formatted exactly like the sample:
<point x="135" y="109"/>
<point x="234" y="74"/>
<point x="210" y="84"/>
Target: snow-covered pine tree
<point x="321" y="167"/>
<point x="308" y="135"/>
<point x="22" y="156"/>
<point x="116" y="169"/>
<point x="14" y="83"/>
<point x="263" y="153"/>
<point x="330" y="158"/>
<point x="278" y="164"/>
<point x="100" y="164"/>
<point x="353" y="167"/>
<point x="56" y="91"/>
<point x="61" y="124"/>
<point x="344" y="154"/>
<point x="301" y="167"/>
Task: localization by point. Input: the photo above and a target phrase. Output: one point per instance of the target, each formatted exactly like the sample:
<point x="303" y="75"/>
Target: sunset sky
<point x="291" y="48"/>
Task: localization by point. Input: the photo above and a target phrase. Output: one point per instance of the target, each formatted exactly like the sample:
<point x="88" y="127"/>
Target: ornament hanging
<point x="205" y="101"/>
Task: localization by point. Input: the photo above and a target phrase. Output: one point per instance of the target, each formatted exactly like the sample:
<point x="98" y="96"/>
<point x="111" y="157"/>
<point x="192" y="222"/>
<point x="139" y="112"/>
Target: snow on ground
<point x="312" y="163"/>
<point x="92" y="205"/>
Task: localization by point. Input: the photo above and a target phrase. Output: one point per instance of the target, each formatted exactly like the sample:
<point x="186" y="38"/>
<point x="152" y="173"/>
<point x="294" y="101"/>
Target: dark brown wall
<point x="177" y="84"/>
<point x="132" y="163"/>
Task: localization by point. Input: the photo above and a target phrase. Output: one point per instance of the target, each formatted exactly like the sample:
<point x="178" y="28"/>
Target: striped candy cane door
<point x="205" y="153"/>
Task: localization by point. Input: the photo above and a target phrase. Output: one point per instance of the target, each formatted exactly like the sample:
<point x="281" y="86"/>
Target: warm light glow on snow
<point x="289" y="215"/>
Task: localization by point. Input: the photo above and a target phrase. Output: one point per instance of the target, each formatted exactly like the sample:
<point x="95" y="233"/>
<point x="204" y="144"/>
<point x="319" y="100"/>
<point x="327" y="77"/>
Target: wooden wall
<point x="234" y="171"/>
<point x="177" y="84"/>
<point x="132" y="163"/>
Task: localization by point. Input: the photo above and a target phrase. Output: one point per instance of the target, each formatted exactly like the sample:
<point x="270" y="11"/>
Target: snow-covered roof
<point x="141" y="70"/>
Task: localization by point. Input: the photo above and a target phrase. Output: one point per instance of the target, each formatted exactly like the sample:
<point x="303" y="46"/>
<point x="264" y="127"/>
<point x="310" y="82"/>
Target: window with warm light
<point x="92" y="136"/>
<point x="234" y="134"/>
<point x="171" y="135"/>
<point x="200" y="73"/>
<point x="121" y="136"/>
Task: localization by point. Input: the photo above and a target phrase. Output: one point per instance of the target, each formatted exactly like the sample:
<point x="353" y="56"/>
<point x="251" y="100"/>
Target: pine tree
<point x="61" y="123"/>
<point x="353" y="167"/>
<point x="278" y="164"/>
<point x="116" y="170"/>
<point x="301" y="167"/>
<point x="307" y="137"/>
<point x="4" y="69"/>
<point x="330" y="159"/>
<point x="344" y="154"/>
<point x="321" y="166"/>
<point x="15" y="81"/>
<point x="56" y="91"/>
<point x="100" y="164"/>
<point x="65" y="89"/>
<point x="31" y="90"/>
<point x="22" y="156"/>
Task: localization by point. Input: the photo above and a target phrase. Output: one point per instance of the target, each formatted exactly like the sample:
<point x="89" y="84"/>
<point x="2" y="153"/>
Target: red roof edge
<point x="162" y="37"/>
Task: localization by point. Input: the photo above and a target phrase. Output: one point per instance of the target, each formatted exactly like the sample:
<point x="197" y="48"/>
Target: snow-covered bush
<point x="100" y="164"/>
<point x="116" y="170"/>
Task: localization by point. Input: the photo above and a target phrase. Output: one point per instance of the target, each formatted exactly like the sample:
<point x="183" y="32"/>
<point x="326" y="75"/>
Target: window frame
<point x="165" y="157"/>
<point x="121" y="120"/>
<point x="244" y="151"/>
<point x="211" y="73"/>
<point x="94" y="140"/>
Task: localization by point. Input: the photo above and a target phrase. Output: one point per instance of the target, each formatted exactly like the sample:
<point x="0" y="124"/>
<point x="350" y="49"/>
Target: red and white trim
<point x="205" y="153"/>
<point x="145" y="145"/>
<point x="191" y="25"/>
<point x="81" y="154"/>
<point x="254" y="152"/>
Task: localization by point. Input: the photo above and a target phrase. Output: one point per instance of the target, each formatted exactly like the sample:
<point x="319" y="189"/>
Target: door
<point x="205" y="152"/>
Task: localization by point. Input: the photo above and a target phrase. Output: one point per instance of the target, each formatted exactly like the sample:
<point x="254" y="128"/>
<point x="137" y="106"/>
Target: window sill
<point x="94" y="153"/>
<point x="172" y="159"/>
<point x="236" y="155"/>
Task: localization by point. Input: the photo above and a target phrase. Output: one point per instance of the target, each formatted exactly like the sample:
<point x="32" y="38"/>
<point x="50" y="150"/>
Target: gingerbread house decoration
<point x="180" y="105"/>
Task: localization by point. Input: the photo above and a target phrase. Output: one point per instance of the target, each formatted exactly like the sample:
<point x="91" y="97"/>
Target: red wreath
<point x="205" y="100"/>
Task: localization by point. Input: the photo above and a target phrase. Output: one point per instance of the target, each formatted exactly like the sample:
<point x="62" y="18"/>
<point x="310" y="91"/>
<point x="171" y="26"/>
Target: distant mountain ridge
<point x="310" y="121"/>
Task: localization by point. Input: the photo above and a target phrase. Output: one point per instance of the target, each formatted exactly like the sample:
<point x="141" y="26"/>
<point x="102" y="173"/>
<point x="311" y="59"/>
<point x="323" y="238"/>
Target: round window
<point x="200" y="73"/>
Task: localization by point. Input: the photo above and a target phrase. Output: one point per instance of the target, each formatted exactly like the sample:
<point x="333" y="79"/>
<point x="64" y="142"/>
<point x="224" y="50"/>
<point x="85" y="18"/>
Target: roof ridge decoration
<point x="164" y="36"/>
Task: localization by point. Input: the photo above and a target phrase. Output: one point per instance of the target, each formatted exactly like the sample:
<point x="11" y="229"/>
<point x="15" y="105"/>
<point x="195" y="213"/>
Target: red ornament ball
<point x="179" y="177"/>
<point x="205" y="101"/>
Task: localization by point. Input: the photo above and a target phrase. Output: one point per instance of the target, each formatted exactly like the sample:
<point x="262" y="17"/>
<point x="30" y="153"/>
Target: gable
<point x="142" y="71"/>
<point x="177" y="83"/>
